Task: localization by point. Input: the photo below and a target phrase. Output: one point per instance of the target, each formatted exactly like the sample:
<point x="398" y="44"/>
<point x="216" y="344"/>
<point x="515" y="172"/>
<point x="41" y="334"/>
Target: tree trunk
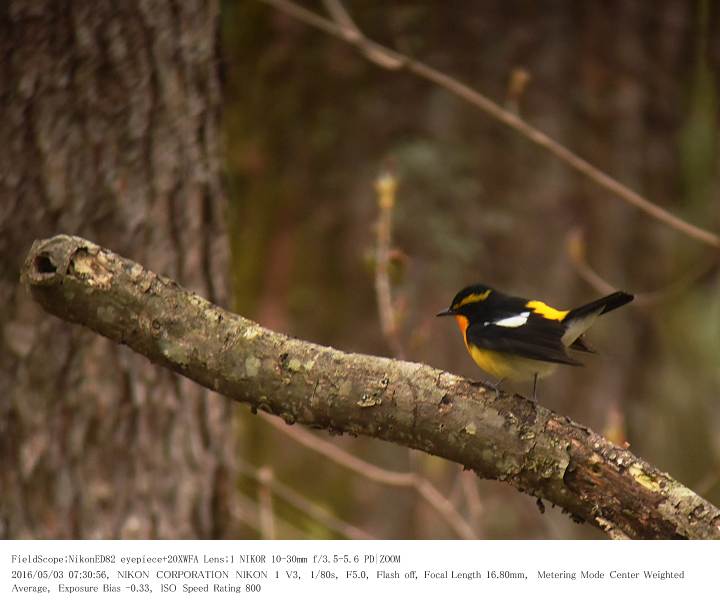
<point x="109" y="123"/>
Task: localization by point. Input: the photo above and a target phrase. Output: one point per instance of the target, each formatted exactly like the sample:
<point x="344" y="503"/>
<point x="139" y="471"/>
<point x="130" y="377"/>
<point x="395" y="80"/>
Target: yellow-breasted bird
<point x="522" y="339"/>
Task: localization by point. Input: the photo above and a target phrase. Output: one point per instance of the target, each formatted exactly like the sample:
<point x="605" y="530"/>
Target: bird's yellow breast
<point x="502" y="365"/>
<point x="508" y="366"/>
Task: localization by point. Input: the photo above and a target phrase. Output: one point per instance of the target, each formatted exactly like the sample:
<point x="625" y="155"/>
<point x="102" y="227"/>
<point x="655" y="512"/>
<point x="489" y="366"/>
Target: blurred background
<point x="629" y="86"/>
<point x="303" y="125"/>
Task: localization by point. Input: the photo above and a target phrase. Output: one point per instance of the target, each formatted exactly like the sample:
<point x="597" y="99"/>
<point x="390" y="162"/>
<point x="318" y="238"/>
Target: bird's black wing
<point x="537" y="338"/>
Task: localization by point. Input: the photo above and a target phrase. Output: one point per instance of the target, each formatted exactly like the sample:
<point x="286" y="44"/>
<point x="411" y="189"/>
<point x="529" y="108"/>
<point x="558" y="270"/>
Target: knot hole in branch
<point x="43" y="264"/>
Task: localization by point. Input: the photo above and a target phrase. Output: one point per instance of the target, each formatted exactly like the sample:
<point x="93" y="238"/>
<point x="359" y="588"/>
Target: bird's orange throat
<point x="462" y="323"/>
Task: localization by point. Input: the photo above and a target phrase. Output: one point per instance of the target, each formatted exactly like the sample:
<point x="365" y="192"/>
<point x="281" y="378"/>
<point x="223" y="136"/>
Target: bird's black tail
<point x="599" y="307"/>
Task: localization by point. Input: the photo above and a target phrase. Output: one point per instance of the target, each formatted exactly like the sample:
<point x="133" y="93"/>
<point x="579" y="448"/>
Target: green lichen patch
<point x="294" y="365"/>
<point x="174" y="351"/>
<point x="252" y="366"/>
<point x="642" y="478"/>
<point x="252" y="332"/>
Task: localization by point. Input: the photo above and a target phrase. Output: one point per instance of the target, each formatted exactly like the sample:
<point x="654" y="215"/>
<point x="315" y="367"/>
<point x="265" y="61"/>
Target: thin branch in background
<point x="517" y="85"/>
<point x="302" y="504"/>
<point x="615" y="425"/>
<point x="351" y="32"/>
<point x="386" y="186"/>
<point x="469" y="484"/>
<point x="319" y="514"/>
<point x="267" y="519"/>
<point x="246" y="511"/>
<point x="377" y="474"/>
<point x="393" y="60"/>
<point x="465" y="489"/>
<point x="576" y="252"/>
<point x="340" y="15"/>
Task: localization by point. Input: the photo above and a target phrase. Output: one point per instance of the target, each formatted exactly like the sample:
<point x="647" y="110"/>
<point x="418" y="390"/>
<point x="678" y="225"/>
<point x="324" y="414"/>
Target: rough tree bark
<point x="506" y="438"/>
<point x="109" y="123"/>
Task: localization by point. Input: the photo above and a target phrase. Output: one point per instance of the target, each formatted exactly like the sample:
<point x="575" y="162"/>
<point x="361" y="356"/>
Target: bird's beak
<point x="446" y="312"/>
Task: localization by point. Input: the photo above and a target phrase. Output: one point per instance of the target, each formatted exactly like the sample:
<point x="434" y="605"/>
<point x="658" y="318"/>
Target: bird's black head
<point x="467" y="300"/>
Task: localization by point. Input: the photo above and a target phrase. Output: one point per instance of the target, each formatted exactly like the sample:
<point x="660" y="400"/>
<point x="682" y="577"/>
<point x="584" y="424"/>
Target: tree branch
<point x="508" y="438"/>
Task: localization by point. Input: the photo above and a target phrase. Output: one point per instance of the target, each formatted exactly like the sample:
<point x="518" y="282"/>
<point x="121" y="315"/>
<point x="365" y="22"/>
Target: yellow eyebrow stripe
<point x="474" y="298"/>
<point x="550" y="313"/>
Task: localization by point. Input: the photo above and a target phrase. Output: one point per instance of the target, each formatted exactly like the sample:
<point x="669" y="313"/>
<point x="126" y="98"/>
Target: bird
<point x="518" y="339"/>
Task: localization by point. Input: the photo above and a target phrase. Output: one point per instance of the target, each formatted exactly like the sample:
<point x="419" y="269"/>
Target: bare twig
<point x="386" y="186"/>
<point x="302" y="504"/>
<point x="469" y="484"/>
<point x="615" y="429"/>
<point x="245" y="510"/>
<point x="517" y="84"/>
<point x="390" y="59"/>
<point x="342" y="17"/>
<point x="267" y="519"/>
<point x="351" y="32"/>
<point x="377" y="474"/>
<point x="575" y="250"/>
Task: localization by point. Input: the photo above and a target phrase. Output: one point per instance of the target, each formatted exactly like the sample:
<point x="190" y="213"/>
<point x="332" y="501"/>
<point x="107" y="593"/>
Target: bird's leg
<point x="534" y="398"/>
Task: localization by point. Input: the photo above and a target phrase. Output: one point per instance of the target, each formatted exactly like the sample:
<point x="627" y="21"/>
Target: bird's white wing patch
<point x="513" y="321"/>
